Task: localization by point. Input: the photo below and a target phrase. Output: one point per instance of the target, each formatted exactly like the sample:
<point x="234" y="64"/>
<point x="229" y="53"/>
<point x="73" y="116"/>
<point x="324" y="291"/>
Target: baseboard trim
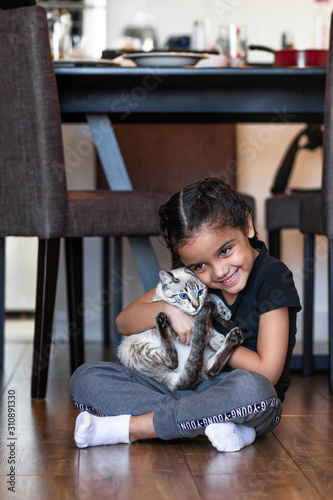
<point x="320" y="362"/>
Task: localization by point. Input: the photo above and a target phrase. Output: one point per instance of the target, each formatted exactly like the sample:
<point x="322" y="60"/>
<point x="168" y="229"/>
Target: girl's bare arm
<point x="272" y="347"/>
<point x="140" y="316"/>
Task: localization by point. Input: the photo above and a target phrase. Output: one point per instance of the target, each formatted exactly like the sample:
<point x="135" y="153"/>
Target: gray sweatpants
<point x="239" y="396"/>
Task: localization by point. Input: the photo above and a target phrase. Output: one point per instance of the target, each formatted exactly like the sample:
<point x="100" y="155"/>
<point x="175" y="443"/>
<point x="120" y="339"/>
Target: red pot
<point x="293" y="57"/>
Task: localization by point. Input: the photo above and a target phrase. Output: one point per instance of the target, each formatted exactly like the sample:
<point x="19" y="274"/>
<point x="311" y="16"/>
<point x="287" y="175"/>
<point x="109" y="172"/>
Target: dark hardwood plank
<point x="255" y="486"/>
<point x="158" y="456"/>
<point x="308" y="395"/>
<point x="43" y="429"/>
<point x="309" y="442"/>
<point x="159" y="486"/>
<point x="266" y="455"/>
<point x="298" y="432"/>
<point x="13" y="354"/>
<point x="294" y="462"/>
<point x="41" y="488"/>
<point x="142" y="470"/>
<point x="318" y="469"/>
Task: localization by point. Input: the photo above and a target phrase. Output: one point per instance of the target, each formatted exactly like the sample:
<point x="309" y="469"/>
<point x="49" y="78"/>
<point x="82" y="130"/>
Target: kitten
<point x="158" y="352"/>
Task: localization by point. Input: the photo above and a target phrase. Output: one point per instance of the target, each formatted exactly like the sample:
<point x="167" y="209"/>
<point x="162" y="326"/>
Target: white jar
<point x="322" y="23"/>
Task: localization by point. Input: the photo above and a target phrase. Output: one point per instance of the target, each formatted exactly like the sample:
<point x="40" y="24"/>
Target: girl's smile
<point x="230" y="281"/>
<point x="221" y="258"/>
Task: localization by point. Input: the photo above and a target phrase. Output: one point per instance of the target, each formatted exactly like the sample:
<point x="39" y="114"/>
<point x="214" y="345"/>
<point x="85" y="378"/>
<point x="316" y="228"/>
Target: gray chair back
<point x="327" y="181"/>
<point x="33" y="197"/>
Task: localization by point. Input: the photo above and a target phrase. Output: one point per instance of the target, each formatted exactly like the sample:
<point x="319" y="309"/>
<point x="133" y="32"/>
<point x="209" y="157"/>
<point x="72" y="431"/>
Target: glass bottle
<point x="322" y="23"/>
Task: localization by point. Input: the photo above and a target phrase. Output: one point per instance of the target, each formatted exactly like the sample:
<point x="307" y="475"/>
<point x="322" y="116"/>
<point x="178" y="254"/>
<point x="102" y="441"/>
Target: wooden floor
<point x="294" y="462"/>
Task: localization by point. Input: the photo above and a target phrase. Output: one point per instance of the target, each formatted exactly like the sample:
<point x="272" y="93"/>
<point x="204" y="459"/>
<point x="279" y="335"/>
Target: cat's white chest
<point x="183" y="351"/>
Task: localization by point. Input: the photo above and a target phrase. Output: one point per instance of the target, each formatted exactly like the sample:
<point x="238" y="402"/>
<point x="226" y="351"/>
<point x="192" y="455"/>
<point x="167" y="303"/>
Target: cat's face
<point x="180" y="287"/>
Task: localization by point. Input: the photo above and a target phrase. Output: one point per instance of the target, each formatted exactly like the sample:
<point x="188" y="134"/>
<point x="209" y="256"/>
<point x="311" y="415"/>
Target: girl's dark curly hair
<point x="208" y="202"/>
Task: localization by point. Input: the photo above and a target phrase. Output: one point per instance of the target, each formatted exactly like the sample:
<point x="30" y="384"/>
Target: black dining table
<point x="101" y="96"/>
<point x="229" y="95"/>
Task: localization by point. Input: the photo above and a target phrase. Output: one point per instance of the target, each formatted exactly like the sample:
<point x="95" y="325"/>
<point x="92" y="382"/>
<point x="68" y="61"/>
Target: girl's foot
<point x="91" y="430"/>
<point x="229" y="436"/>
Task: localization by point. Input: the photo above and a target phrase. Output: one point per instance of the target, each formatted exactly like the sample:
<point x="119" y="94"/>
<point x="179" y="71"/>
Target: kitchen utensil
<point x="294" y="57"/>
<point x="231" y="43"/>
<point x="165" y="59"/>
<point x="145" y="34"/>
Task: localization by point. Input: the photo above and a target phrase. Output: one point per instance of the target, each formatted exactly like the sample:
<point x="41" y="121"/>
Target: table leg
<point x="109" y="152"/>
<point x="116" y="174"/>
<point x="118" y="179"/>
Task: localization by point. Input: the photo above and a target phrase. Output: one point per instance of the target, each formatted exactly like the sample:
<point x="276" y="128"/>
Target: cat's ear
<point x="167" y="278"/>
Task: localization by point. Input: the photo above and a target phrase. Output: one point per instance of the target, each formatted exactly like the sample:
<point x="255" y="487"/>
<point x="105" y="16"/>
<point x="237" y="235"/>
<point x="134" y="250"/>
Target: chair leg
<point x="105" y="283"/>
<point x="274" y="243"/>
<point x="330" y="312"/>
<point x="47" y="273"/>
<point x="74" y="271"/>
<point x="117" y="289"/>
<point x="2" y="298"/>
<point x="308" y="303"/>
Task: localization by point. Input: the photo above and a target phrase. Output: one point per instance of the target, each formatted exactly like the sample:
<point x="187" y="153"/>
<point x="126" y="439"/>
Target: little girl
<point x="209" y="229"/>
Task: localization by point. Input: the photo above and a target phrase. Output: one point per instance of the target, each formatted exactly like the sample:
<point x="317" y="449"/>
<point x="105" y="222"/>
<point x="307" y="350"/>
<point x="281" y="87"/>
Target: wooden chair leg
<point x="47" y="273"/>
<point x="274" y="243"/>
<point x="74" y="271"/>
<point x="330" y="312"/>
<point x="308" y="303"/>
<point x="2" y="298"/>
<point x="117" y="289"/>
<point x="106" y="288"/>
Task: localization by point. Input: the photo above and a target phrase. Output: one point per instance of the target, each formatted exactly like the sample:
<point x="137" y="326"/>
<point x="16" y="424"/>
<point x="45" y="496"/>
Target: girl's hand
<point x="181" y="322"/>
<point x="140" y="315"/>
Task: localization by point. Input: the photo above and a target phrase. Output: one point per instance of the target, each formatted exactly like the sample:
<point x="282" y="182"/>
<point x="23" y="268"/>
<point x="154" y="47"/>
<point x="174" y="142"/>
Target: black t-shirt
<point x="270" y="286"/>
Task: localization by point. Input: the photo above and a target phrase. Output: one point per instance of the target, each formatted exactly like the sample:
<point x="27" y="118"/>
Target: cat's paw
<point x="221" y="310"/>
<point x="162" y="320"/>
<point x="236" y="335"/>
<point x="217" y="340"/>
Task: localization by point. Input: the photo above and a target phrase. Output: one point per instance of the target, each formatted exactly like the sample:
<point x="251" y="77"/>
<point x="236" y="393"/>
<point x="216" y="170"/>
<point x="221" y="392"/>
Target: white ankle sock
<point x="229" y="436"/>
<point x="91" y="430"/>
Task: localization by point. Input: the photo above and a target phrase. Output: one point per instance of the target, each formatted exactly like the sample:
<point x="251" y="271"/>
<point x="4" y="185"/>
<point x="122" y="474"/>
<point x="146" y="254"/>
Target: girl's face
<point x="221" y="258"/>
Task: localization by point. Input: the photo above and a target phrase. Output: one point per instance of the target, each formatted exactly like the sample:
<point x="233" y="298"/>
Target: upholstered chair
<point x="34" y="201"/>
<point x="282" y="209"/>
<point x="34" y="198"/>
<point x="316" y="218"/>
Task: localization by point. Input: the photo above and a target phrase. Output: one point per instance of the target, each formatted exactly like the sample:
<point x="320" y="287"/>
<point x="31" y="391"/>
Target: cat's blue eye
<point x="200" y="292"/>
<point x="183" y="296"/>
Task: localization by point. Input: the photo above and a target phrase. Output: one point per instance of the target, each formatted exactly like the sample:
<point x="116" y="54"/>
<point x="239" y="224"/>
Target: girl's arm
<point x="140" y="316"/>
<point x="272" y="347"/>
